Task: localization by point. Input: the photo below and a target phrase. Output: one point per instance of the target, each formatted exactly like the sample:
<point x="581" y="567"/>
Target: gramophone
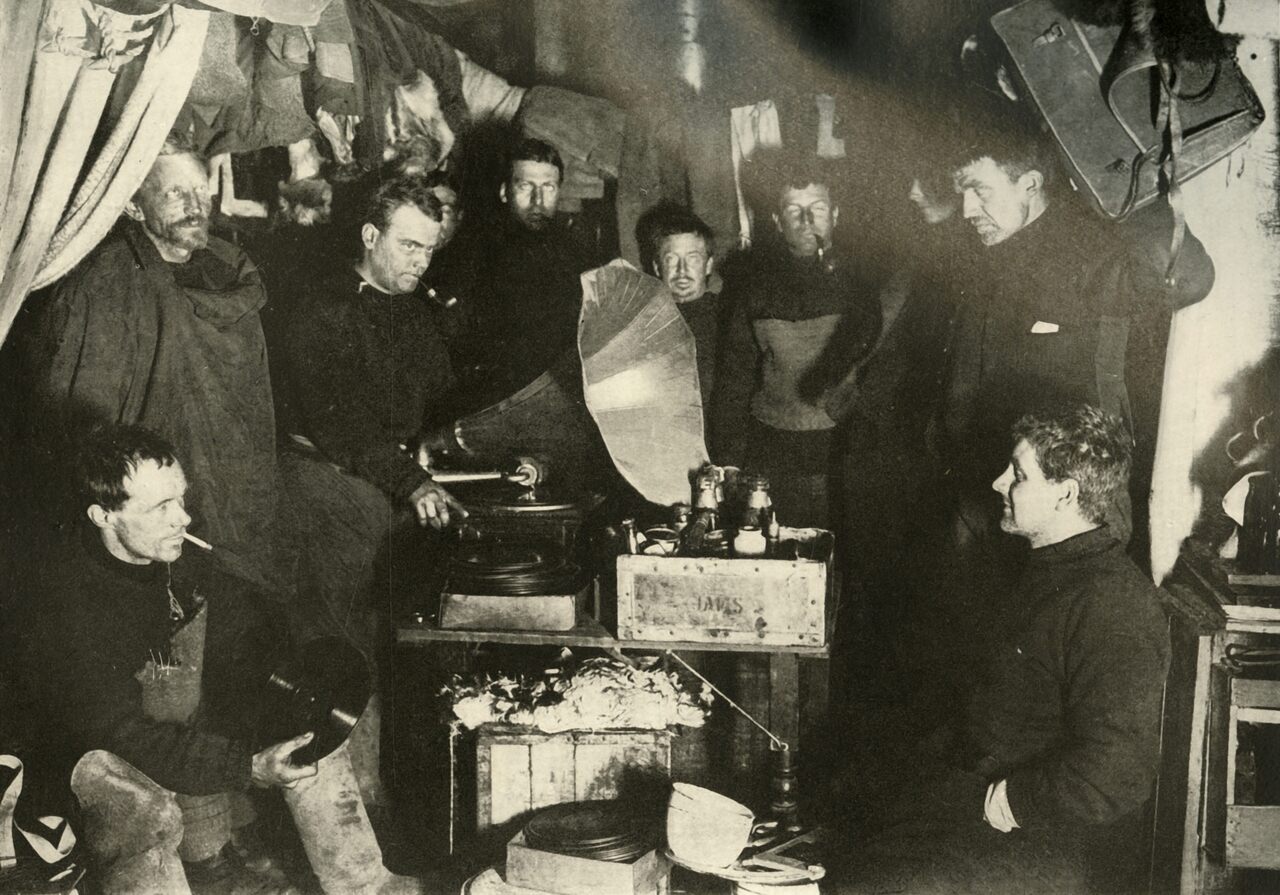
<point x="531" y="468"/>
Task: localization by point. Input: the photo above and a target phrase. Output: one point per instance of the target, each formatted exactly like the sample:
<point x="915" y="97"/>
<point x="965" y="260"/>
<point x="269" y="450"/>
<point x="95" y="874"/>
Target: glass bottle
<point x="706" y="515"/>
<point x="751" y="536"/>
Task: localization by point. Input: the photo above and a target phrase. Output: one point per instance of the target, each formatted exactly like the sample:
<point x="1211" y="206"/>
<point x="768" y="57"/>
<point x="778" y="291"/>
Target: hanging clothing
<point x="393" y="45"/>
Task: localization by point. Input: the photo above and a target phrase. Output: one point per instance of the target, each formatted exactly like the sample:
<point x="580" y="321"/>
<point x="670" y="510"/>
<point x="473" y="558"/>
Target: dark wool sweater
<point x="793" y="325"/>
<point x="706" y="319"/>
<point x="84" y="623"/>
<point x="1070" y="711"/>
<point x="527" y="296"/>
<point x="1046" y="309"/>
<point x="364" y="366"/>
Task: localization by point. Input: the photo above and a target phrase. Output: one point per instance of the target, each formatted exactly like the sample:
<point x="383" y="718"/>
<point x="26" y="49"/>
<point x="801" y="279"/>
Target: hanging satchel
<point x="1120" y="116"/>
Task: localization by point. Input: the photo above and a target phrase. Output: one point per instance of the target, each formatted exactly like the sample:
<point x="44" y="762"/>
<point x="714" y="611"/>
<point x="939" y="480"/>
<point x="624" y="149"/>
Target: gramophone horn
<point x="629" y="394"/>
<point x="547" y="419"/>
<point x="640" y="375"/>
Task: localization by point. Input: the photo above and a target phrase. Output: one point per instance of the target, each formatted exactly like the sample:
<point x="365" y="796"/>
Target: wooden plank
<point x="1197" y="746"/>
<point x="1246" y="579"/>
<point x="587" y="632"/>
<point x="551" y="772"/>
<point x="1253" y="836"/>
<point x="484" y="784"/>
<point x="1233" y="747"/>
<point x="597" y="770"/>
<point x="1246" y="692"/>
<point x="1253" y="626"/>
<point x="509" y="782"/>
<point x="1171" y="804"/>
<point x="1258" y="716"/>
<point x="1251" y="613"/>
<point x="622" y="737"/>
<point x="1213" y="774"/>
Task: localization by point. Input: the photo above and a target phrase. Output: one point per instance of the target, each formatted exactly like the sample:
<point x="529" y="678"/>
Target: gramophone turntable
<point x="626" y="403"/>
<point x="512" y="582"/>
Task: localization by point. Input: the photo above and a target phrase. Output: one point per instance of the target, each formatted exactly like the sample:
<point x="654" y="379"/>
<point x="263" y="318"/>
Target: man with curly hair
<point x="1059" y="746"/>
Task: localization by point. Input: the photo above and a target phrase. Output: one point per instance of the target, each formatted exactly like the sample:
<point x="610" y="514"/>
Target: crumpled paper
<point x="598" y="694"/>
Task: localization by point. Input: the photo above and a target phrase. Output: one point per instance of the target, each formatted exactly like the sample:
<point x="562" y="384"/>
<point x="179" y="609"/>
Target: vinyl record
<point x="511" y="566"/>
<point x="322" y="688"/>
<point x="601" y="830"/>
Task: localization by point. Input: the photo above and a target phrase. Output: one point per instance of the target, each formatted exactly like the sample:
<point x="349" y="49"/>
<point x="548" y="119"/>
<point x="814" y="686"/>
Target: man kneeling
<point x="1059" y="747"/>
<point x="146" y="663"/>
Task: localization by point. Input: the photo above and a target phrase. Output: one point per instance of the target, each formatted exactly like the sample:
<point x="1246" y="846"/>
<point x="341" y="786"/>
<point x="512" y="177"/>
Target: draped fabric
<point x="61" y="189"/>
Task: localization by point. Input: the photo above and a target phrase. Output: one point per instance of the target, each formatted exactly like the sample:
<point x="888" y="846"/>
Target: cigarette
<point x="199" y="543"/>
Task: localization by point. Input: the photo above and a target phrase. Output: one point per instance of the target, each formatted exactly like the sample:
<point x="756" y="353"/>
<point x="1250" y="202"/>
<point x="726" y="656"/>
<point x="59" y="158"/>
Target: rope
<point x="739" y="709"/>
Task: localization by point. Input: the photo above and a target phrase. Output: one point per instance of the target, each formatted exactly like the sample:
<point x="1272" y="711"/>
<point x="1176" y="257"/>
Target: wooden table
<point x="1190" y="853"/>
<point x="786" y="706"/>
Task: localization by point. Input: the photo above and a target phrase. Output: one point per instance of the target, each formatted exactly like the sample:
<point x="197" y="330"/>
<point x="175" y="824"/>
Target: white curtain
<point x="60" y="61"/>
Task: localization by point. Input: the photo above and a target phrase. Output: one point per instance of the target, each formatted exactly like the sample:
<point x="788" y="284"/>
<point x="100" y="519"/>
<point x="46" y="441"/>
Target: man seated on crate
<point x="133" y="670"/>
<point x="367" y="362"/>
<point x="1058" y="750"/>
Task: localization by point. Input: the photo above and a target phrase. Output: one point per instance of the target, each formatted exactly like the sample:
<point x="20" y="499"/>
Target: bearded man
<point x="159" y="327"/>
<point x="527" y="292"/>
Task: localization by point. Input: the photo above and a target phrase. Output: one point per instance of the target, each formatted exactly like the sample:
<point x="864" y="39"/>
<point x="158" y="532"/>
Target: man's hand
<point x="432" y="504"/>
<point x="273" y="767"/>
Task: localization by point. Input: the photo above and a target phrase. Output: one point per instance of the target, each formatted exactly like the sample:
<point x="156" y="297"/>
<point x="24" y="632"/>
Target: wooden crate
<point x="519" y="769"/>
<point x="1252" y="832"/>
<point x="732" y="601"/>
<point x="541" y="871"/>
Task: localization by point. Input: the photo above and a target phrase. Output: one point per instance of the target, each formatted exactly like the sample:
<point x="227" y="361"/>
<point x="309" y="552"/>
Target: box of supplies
<point x="738" y="601"/>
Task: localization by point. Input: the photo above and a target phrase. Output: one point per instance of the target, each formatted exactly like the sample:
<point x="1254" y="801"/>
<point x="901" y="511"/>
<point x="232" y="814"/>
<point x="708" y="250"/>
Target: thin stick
<point x="783" y="747"/>
<point x="199" y="543"/>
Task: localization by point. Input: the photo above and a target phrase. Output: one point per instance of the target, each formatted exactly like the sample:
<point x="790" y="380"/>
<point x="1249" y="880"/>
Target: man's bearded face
<point x="532" y="193"/>
<point x="684" y="263"/>
<point x="175" y="203"/>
